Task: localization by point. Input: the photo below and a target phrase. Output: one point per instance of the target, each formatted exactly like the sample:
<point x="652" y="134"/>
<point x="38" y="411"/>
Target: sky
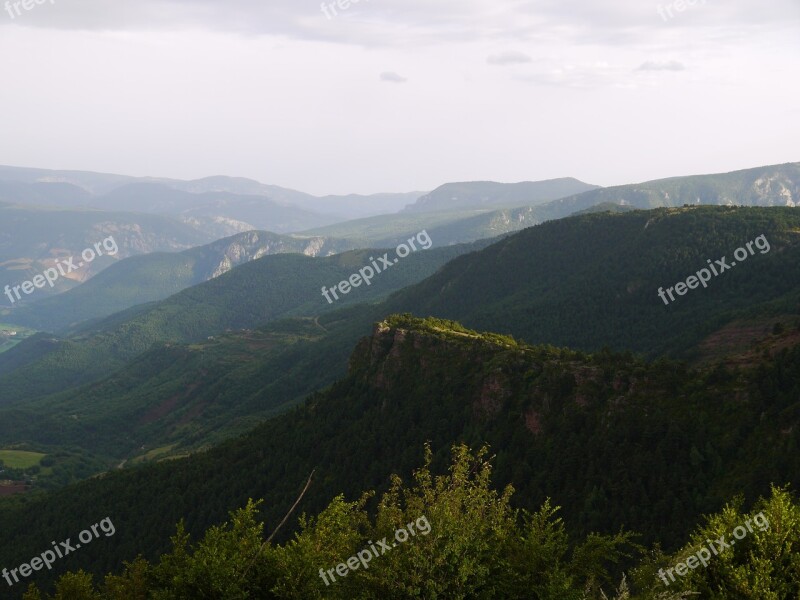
<point x="400" y="95"/>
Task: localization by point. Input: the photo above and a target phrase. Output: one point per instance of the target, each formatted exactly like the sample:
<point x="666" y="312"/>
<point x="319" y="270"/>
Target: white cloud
<point x="395" y="22"/>
<point x="391" y="77"/>
<point x="508" y="58"/>
<point x="672" y="65"/>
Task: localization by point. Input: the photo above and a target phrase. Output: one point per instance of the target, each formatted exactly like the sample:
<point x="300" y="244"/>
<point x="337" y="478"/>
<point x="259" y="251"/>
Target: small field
<point x="20" y="459"/>
<point x="9" y="489"/>
<point x="153" y="454"/>
<point x="6" y="342"/>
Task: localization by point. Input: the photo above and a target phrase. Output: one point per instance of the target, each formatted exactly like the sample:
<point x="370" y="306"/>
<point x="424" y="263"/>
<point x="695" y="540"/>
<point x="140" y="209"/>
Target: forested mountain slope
<point x="614" y="440"/>
<point x="588" y="282"/>
<point x="593" y="280"/>
<point x="248" y="296"/>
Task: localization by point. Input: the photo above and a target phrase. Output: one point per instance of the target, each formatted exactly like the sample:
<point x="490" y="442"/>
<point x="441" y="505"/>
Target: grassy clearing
<point x="20" y="459"/>
<point x="153" y="454"/>
<point x="6" y="343"/>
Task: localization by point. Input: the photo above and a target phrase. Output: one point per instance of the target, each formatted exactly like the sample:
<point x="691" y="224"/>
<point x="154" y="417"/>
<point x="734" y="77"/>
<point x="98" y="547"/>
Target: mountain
<point x="592" y="281"/>
<point x="589" y="281"/>
<point x="33" y="239"/>
<point x="213" y="212"/>
<point x="488" y="194"/>
<point x="350" y="206"/>
<point x="457" y="227"/>
<point x="246" y="297"/>
<point x="64" y="195"/>
<point x="93" y="183"/>
<point x="457" y="213"/>
<point x="79" y="189"/>
<point x="156" y="276"/>
<point x="774" y="185"/>
<point x="612" y="439"/>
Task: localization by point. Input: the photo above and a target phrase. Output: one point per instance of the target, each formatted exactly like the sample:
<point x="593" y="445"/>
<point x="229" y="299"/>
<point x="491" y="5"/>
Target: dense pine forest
<point x="475" y="545"/>
<point x="621" y="445"/>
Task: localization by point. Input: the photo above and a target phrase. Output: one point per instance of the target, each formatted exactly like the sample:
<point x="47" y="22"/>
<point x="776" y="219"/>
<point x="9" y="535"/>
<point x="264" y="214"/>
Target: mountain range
<point x="176" y="386"/>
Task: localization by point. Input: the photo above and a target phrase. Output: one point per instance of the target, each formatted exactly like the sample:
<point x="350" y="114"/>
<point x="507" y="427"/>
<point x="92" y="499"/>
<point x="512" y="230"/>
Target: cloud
<point x="508" y="58"/>
<point x="577" y="75"/>
<point x="392" y="77"/>
<point x="401" y="22"/>
<point x="672" y="65"/>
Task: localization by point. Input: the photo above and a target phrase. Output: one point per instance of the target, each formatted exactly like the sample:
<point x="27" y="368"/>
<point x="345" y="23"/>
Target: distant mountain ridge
<point x="96" y="185"/>
<point x="217" y="213"/>
<point x="773" y="185"/>
<point x="217" y="207"/>
<point x="479" y="218"/>
<point x="489" y="194"/>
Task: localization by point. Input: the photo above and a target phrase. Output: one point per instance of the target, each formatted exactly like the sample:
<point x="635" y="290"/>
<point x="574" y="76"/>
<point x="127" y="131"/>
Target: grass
<point x="20" y="459"/>
<point x="153" y="454"/>
<point x="8" y="343"/>
<point x="5" y="346"/>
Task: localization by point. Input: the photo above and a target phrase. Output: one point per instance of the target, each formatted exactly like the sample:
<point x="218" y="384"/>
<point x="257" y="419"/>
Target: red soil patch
<point x="740" y="342"/>
<point x="9" y="489"/>
<point x="166" y="407"/>
<point x="533" y="422"/>
<point x="192" y="414"/>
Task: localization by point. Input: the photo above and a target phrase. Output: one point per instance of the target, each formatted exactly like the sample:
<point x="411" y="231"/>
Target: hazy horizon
<point x="379" y="191"/>
<point x="391" y="95"/>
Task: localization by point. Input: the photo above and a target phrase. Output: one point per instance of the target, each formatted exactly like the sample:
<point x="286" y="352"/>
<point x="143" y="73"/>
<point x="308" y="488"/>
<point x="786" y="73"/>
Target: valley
<point x="399" y="300"/>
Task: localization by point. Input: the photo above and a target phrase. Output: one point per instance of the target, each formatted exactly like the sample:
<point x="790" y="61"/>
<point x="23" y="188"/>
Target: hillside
<point x="592" y="281"/>
<point x="563" y="424"/>
<point x="28" y="245"/>
<point x="250" y="295"/>
<point x="174" y="399"/>
<point x="156" y="276"/>
<point x="588" y="282"/>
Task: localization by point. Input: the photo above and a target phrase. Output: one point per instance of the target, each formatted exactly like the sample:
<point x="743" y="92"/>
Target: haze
<point x="400" y="95"/>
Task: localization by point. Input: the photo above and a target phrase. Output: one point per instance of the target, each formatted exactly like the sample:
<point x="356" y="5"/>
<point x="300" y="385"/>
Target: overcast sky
<point x="400" y="95"/>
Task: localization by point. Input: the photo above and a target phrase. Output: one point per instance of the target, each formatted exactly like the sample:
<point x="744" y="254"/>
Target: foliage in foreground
<point x="477" y="546"/>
